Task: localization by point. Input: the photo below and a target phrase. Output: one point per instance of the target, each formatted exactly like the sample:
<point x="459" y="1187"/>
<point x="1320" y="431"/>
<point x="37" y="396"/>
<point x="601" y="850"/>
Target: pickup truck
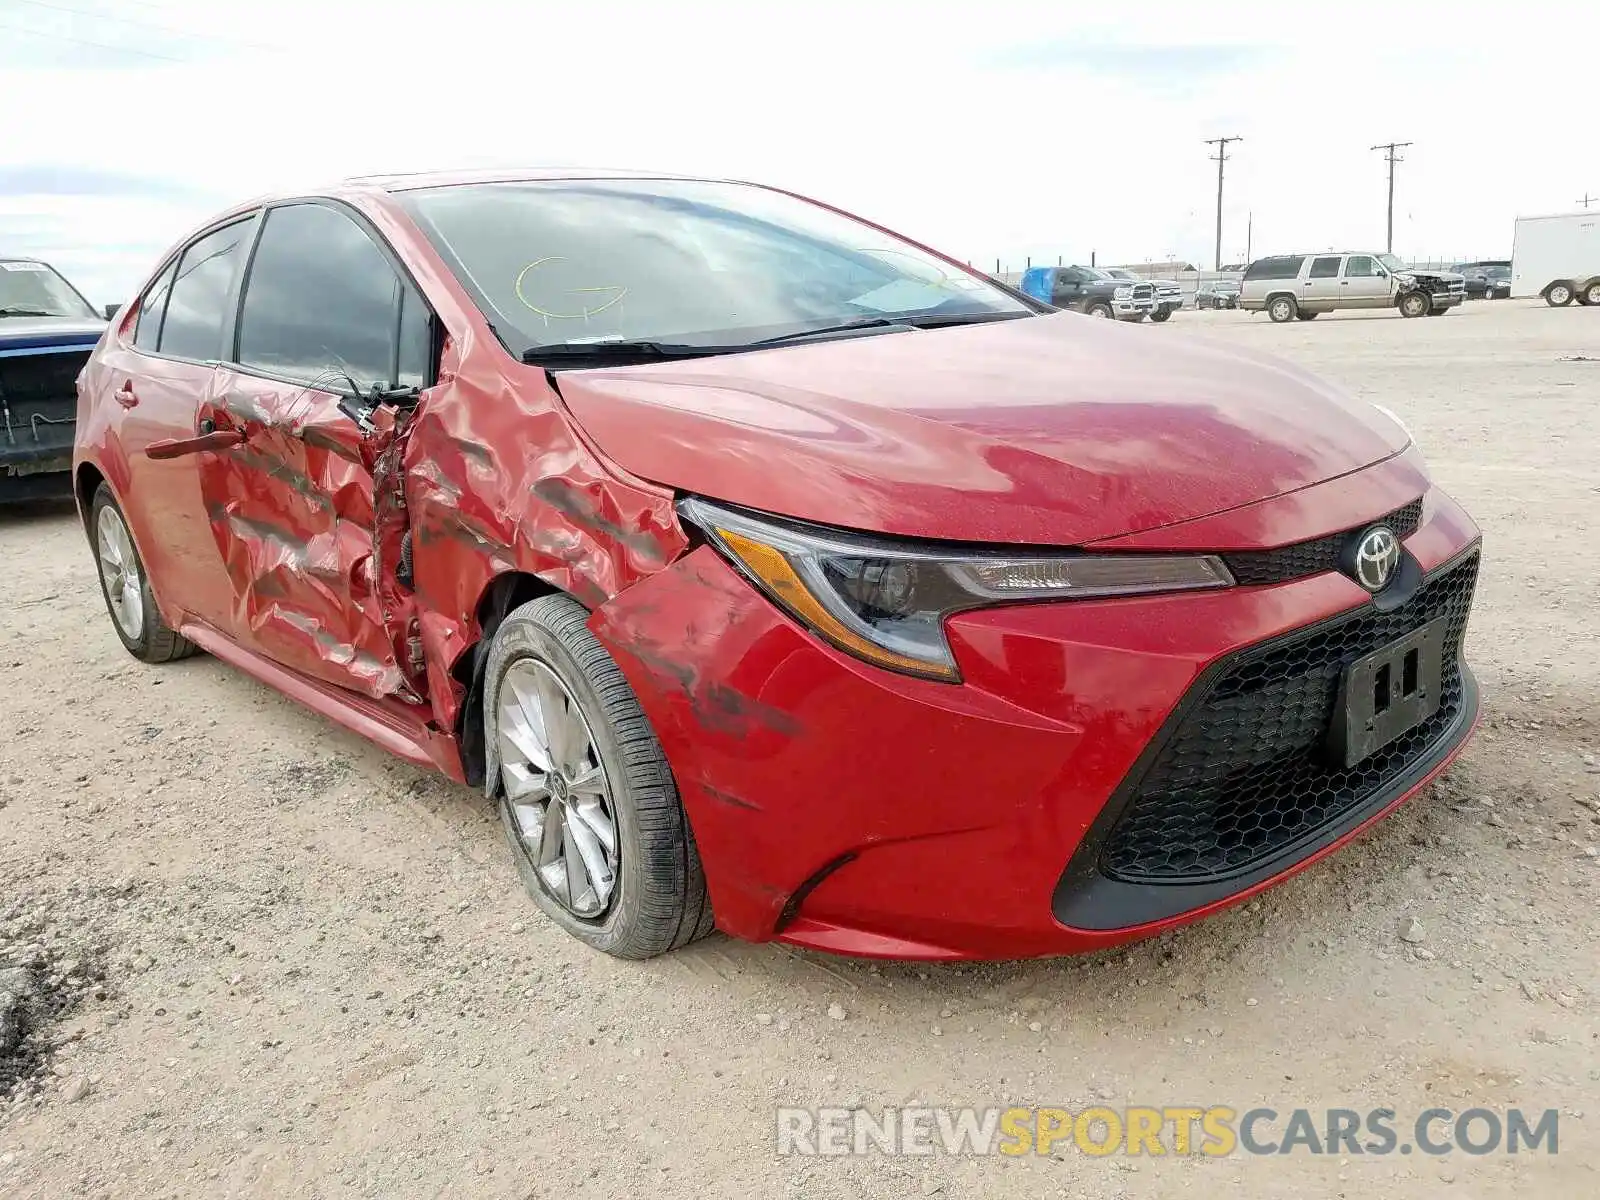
<point x="1169" y="292"/>
<point x="47" y="329"/>
<point x="1090" y="290"/>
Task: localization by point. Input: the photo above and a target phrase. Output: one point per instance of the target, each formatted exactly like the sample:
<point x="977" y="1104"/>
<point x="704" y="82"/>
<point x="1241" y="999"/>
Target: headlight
<point x="1406" y="280"/>
<point x="1122" y="293"/>
<point x="886" y="602"/>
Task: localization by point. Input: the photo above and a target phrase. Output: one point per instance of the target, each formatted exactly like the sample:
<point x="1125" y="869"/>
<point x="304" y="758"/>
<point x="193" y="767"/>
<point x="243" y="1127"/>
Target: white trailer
<point x="1557" y="258"/>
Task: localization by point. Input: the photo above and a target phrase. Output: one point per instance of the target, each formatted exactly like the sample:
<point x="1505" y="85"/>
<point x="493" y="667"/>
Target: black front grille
<point x="1245" y="773"/>
<point x="1313" y="557"/>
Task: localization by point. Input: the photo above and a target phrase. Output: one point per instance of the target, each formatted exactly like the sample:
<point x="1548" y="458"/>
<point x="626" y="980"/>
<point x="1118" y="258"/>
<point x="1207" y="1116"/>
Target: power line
<point x="1221" y="157"/>
<point x="1392" y="158"/>
<point x="62" y="37"/>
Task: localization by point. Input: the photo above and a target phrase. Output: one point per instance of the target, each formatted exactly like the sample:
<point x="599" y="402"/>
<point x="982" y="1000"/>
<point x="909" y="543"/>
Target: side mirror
<point x="112" y="310"/>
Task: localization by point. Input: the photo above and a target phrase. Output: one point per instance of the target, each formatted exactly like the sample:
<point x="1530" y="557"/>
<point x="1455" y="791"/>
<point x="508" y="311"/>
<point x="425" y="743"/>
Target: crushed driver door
<point x="311" y="547"/>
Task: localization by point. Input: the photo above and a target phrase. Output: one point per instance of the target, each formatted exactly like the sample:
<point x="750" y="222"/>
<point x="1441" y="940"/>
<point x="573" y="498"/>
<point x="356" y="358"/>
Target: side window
<point x="1274" y="268"/>
<point x="1359" y="266"/>
<point x="416" y="340"/>
<point x="198" y="298"/>
<point x="152" y="307"/>
<point x="322" y="300"/>
<point x="1325" y="268"/>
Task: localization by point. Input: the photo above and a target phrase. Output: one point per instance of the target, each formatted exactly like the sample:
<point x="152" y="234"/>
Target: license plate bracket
<point x="1388" y="693"/>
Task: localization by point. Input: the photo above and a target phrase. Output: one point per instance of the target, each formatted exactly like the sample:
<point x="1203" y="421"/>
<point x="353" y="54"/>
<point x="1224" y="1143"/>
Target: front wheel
<point x="586" y="796"/>
<point x="1415" y="304"/>
<point x="1161" y="314"/>
<point x="126" y="586"/>
<point x="1558" y="295"/>
<point x="1099" y="309"/>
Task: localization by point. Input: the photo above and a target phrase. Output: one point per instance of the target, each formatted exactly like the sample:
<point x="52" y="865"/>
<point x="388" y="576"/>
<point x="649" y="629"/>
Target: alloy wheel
<point x="119" y="569"/>
<point x="557" y="790"/>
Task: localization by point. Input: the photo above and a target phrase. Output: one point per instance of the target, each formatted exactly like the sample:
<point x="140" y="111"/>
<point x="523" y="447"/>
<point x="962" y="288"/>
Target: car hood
<point x="29" y="333"/>
<point x="1426" y="273"/>
<point x="1054" y="430"/>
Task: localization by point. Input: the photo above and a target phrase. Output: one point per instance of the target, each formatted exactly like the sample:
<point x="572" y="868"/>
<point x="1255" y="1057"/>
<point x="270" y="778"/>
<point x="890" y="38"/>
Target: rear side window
<point x="1275" y="268"/>
<point x="1324" y="268"/>
<point x="199" y="294"/>
<point x="152" y="307"/>
<point x="1360" y="266"/>
<point x="323" y="303"/>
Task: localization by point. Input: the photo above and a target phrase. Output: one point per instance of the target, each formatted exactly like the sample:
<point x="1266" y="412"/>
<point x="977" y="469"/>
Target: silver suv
<point x="1300" y="286"/>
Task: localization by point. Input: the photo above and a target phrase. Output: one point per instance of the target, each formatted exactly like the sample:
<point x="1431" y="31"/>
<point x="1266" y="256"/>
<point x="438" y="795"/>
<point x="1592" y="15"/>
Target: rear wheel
<point x="1558" y="295"/>
<point x="1590" y="294"/>
<point x="586" y="797"/>
<point x="1415" y="304"/>
<point x="1282" y="308"/>
<point x="1099" y="309"/>
<point x="126" y="586"/>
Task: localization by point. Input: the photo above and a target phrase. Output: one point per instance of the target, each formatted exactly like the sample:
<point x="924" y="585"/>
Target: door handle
<point x="126" y="396"/>
<point x="1344" y="283"/>
<point x="219" y="439"/>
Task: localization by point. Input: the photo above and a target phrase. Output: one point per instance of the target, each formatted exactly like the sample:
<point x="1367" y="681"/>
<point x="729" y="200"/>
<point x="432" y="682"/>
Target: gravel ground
<point x="256" y="956"/>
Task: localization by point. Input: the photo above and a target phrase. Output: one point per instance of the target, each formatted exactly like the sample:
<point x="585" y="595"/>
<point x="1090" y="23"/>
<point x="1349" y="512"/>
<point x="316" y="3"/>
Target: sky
<point x="996" y="131"/>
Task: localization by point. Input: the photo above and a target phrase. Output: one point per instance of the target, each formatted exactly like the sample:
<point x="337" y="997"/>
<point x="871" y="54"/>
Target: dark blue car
<point x="47" y="330"/>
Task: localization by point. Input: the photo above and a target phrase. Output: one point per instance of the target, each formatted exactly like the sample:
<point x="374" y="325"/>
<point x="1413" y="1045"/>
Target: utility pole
<point x="1392" y="158"/>
<point x="1588" y="200"/>
<point x="1249" y="234"/>
<point x="1221" y="157"/>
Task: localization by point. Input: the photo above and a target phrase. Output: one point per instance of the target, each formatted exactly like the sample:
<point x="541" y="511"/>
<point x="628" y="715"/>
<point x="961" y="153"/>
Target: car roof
<point x="406" y="181"/>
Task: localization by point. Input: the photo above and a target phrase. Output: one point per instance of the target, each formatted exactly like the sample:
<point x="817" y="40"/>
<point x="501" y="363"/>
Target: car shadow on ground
<point x="29" y="512"/>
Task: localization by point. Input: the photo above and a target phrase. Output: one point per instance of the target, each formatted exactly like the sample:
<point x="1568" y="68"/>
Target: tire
<point x="1558" y="295"/>
<point x="1414" y="304"/>
<point x="1161" y="315"/>
<point x="1590" y="294"/>
<point x="1305" y="316"/>
<point x="125" y="584"/>
<point x="1282" y="308"/>
<point x="544" y="661"/>
<point x="1099" y="309"/>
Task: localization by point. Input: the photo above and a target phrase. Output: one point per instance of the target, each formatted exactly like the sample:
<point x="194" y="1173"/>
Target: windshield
<point x="1390" y="261"/>
<point x="1118" y="273"/>
<point x="34" y="289"/>
<point x="688" y="262"/>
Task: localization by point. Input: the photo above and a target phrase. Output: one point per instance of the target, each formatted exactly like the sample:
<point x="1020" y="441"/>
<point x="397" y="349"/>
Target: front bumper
<point x="848" y="809"/>
<point x="1133" y="310"/>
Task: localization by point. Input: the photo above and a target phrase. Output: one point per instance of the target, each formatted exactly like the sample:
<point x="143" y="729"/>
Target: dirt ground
<point x="291" y="965"/>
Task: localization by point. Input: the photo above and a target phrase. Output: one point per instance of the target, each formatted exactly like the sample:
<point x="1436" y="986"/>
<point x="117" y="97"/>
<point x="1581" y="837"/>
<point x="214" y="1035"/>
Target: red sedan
<point x="772" y="572"/>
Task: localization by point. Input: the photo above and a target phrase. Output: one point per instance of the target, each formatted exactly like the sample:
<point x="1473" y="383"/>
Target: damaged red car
<point x="772" y="572"/>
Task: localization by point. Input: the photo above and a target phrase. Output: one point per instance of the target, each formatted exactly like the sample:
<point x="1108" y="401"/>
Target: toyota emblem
<point x="1375" y="559"/>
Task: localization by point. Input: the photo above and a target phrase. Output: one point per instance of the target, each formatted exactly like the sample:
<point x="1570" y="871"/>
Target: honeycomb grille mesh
<point x="1313" y="557"/>
<point x="1246" y="774"/>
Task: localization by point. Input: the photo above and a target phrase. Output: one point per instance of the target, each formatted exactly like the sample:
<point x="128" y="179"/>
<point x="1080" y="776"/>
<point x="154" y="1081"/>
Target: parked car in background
<point x="757" y="562"/>
<point x="47" y="329"/>
<point x="1302" y="286"/>
<point x="1557" y="258"/>
<point x="1090" y="290"/>
<point x="1219" y="293"/>
<point x="1486" y="280"/>
<point x="1169" y="293"/>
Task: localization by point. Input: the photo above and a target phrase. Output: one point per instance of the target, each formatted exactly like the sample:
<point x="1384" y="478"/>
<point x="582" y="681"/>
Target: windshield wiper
<point x="19" y="311"/>
<point x="625" y="351"/>
<point x="926" y="321"/>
